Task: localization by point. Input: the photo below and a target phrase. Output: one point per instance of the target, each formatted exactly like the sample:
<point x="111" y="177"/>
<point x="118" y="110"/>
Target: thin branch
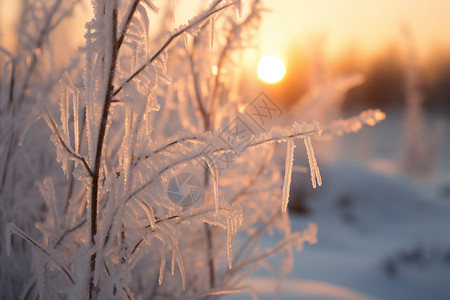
<point x="254" y="236"/>
<point x="160" y="220"/>
<point x="72" y="178"/>
<point x="268" y="253"/>
<point x="220" y="151"/>
<point x="127" y="23"/>
<point x="61" y="238"/>
<point x="99" y="149"/>
<point x="136" y="246"/>
<point x="191" y="139"/>
<point x="183" y="217"/>
<point x="12" y="83"/>
<point x="215" y="89"/>
<point x="6" y="52"/>
<point x="7" y="162"/>
<point x="167" y="43"/>
<point x="196" y="83"/>
<point x="11" y="228"/>
<point x="102" y="131"/>
<point x="61" y="18"/>
<point x="54" y="127"/>
<point x="254" y="177"/>
<point x="40" y="41"/>
<point x="223" y="54"/>
<point x="162" y="171"/>
<point x="209" y="246"/>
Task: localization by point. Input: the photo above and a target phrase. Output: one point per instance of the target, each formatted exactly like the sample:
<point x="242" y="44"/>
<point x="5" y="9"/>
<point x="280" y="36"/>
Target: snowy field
<point x="382" y="234"/>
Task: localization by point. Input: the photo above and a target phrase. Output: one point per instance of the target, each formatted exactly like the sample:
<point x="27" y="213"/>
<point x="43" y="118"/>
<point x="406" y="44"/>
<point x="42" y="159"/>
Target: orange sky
<point x="368" y="24"/>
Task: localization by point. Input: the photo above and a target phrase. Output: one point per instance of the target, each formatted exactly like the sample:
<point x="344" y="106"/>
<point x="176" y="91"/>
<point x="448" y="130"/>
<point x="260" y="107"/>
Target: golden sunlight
<point x="271" y="69"/>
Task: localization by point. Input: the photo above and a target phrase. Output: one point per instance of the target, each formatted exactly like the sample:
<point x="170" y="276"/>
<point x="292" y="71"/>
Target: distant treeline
<point x="384" y="72"/>
<point x="385" y="82"/>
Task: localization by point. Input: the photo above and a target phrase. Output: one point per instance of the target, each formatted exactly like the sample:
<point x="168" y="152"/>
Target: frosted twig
<point x="46" y="29"/>
<point x="72" y="229"/>
<point x="255" y="176"/>
<point x="112" y="60"/>
<point x="234" y="31"/>
<point x="179" y="32"/>
<point x="192" y="139"/>
<point x="282" y="138"/>
<point x="296" y="237"/>
<point x="63" y="16"/>
<point x="11" y="228"/>
<point x="127" y="23"/>
<point x="6" y="52"/>
<point x="209" y="246"/>
<point x="259" y="142"/>
<point x="254" y="236"/>
<point x="196" y="83"/>
<point x="368" y="117"/>
<point x="54" y="128"/>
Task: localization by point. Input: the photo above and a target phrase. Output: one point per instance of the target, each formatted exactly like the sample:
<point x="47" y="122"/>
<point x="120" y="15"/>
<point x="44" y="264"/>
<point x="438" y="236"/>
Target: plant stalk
<point x="99" y="150"/>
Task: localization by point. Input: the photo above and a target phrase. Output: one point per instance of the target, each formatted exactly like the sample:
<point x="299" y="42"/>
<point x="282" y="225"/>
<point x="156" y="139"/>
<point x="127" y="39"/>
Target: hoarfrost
<point x="287" y="174"/>
<point x="316" y="179"/>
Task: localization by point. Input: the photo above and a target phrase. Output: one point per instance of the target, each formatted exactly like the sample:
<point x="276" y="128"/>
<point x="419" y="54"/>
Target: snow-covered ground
<point x="382" y="234"/>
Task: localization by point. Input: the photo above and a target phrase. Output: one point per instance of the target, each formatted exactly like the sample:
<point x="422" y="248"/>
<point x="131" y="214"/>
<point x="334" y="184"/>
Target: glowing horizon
<point x="364" y="24"/>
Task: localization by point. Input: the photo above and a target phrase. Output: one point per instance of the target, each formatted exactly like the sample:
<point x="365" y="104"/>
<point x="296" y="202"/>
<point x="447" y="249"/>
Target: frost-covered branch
<point x="273" y="136"/>
<point x="72" y="229"/>
<point x="196" y="84"/>
<point x="230" y="44"/>
<point x="255" y="176"/>
<point x="49" y="25"/>
<point x="368" y="117"/>
<point x="13" y="229"/>
<point x="308" y="235"/>
<point x="130" y="15"/>
<point x="111" y="61"/>
<point x="199" y="19"/>
<point x="189" y="139"/>
<point x="255" y="236"/>
<point x="52" y="124"/>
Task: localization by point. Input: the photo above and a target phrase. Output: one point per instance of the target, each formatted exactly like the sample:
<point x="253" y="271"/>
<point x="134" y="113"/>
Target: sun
<point x="271" y="69"/>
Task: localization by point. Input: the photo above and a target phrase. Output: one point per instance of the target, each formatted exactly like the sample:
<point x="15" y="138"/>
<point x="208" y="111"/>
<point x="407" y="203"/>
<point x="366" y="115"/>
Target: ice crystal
<point x="287" y="174"/>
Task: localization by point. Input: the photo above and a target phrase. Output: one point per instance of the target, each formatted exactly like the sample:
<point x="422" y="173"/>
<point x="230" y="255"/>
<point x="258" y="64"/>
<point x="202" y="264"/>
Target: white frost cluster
<point x="287" y="174"/>
<point x="339" y="127"/>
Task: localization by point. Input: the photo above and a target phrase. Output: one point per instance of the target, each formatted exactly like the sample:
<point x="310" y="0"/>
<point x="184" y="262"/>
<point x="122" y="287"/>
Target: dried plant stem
<point x="222" y="58"/>
<point x="12" y="83"/>
<point x="40" y="41"/>
<point x="168" y="42"/>
<point x="198" y="94"/>
<point x="209" y="246"/>
<point x="199" y="155"/>
<point x="129" y="17"/>
<point x="72" y="178"/>
<point x="54" y="127"/>
<point x="13" y="229"/>
<point x="99" y="149"/>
